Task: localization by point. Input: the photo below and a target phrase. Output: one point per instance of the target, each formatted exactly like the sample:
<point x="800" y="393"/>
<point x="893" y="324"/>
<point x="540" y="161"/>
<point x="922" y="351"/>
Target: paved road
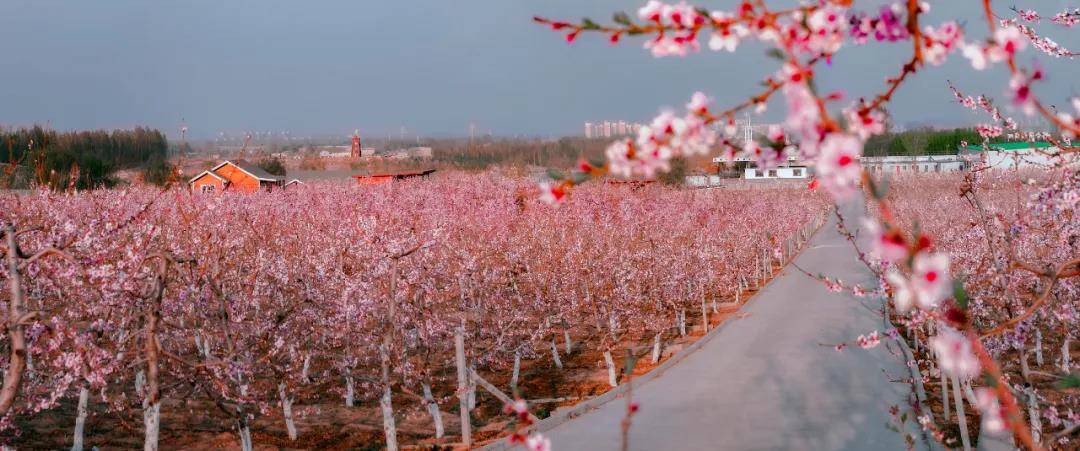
<point x="764" y="382"/>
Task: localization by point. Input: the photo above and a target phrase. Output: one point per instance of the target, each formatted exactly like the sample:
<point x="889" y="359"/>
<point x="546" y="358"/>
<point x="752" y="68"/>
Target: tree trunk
<point x="516" y="373"/>
<point x="569" y="344"/>
<point x="1038" y="347"/>
<point x="304" y="370"/>
<point x="389" y="428"/>
<point x="286" y="411"/>
<point x="472" y="390"/>
<point x="16" y="330"/>
<point x="245" y="436"/>
<point x="140" y="381"/>
<point x="610" y="369"/>
<point x="681" y="319"/>
<point x="433" y="409"/>
<point x="944" y="394"/>
<point x="704" y="317"/>
<point x="960" y="417"/>
<point x="1033" y="413"/>
<point x="350" y="389"/>
<point x="555" y="355"/>
<point x="152" y="424"/>
<point x="1065" y="365"/>
<point x="656" y="349"/>
<point x="463" y="376"/>
<point x="80" y="420"/>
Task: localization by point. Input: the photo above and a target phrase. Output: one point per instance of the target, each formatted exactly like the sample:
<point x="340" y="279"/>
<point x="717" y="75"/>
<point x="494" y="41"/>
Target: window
<point x="759" y="173"/>
<point x="207" y="188"/>
<point x="797" y="172"/>
<point x="772" y="172"/>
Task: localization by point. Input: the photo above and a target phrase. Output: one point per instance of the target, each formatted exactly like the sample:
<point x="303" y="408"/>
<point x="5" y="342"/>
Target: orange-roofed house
<point x="373" y="179"/>
<point x="236" y="175"/>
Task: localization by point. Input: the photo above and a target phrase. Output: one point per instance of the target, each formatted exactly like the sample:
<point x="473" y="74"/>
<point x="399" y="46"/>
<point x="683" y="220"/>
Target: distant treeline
<point x="84" y="159"/>
<point x="921" y="142"/>
<point x="491" y="152"/>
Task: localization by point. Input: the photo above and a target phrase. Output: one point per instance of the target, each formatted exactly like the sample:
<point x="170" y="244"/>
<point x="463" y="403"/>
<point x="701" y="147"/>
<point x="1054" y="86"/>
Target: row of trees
<point x="922" y="142"/>
<point x="82" y="159"/>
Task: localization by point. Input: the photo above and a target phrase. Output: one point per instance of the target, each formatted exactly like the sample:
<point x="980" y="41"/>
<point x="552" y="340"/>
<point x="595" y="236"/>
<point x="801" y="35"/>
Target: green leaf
<point x="1069" y="381"/>
<point x="555" y="174"/>
<point x="622" y="18"/>
<point x="776" y="53"/>
<point x="588" y="24"/>
<point x="629" y="363"/>
<point x="959" y="293"/>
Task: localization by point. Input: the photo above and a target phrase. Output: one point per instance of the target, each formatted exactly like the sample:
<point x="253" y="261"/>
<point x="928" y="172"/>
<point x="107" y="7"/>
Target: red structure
<point x="356" y="145"/>
<point x="373" y="179"/>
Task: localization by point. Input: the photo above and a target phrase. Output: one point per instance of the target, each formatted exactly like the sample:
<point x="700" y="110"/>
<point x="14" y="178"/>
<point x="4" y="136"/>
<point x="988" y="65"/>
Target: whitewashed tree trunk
<point x="681" y="318"/>
<point x="472" y="389"/>
<point x="244" y="431"/>
<point x="1033" y="414"/>
<point x="960" y="417"/>
<point x="80" y="419"/>
<point x="307" y="366"/>
<point x="516" y="373"/>
<point x="350" y="390"/>
<point x="1038" y="347"/>
<point x="463" y="377"/>
<point x="656" y="349"/>
<point x="389" y="428"/>
<point x="944" y="394"/>
<point x="704" y="317"/>
<point x="151" y="424"/>
<point x="286" y="411"/>
<point x="555" y="355"/>
<point x="1065" y="365"/>
<point x="970" y="395"/>
<point x="610" y="369"/>
<point x="433" y="409"/>
<point x="569" y="344"/>
<point x="140" y="381"/>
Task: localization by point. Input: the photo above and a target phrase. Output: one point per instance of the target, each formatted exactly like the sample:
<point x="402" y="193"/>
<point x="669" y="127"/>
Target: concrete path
<point x="764" y="382"/>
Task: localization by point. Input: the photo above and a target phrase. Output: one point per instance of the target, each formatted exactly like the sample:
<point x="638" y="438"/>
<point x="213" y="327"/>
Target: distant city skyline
<point x="327" y="68"/>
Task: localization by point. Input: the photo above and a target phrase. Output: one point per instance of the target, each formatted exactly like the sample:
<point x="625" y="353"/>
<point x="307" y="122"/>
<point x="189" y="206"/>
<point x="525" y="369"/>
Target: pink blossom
<point x="865" y="124"/>
<point x="939" y="42"/>
<point x="930" y="279"/>
<point x="727" y="34"/>
<point x="1009" y="40"/>
<point x="887" y="247"/>
<point x="993" y="420"/>
<point x="537" y="442"/>
<point x="903" y="295"/>
<point x="954" y="353"/>
<point x="699" y="103"/>
<point x="551" y="194"/>
<point x="869" y="341"/>
<point x="838" y="166"/>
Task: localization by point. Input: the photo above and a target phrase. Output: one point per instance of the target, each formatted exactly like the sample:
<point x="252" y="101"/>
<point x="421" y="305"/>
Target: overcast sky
<point x="432" y="66"/>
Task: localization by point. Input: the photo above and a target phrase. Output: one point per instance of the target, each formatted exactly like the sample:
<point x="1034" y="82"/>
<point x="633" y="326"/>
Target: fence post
<point x="463" y="386"/>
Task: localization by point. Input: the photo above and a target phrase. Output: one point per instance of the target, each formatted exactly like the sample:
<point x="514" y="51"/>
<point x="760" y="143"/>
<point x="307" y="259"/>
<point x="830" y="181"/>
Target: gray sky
<point x="434" y="66"/>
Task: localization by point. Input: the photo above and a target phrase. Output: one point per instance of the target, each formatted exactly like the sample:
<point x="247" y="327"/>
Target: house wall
<point x="207" y="180"/>
<point x="238" y="180"/>
<point x="798" y="172"/>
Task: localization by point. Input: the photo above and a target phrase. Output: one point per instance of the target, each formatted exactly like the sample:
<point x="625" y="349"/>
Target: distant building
<point x="236" y="175"/>
<point x="1013" y="154"/>
<point x="355" y="150"/>
<point x="917" y="163"/>
<point x="292" y="184"/>
<point x="784" y="172"/>
<point x="374" y="179"/>
<point x="589" y="133"/>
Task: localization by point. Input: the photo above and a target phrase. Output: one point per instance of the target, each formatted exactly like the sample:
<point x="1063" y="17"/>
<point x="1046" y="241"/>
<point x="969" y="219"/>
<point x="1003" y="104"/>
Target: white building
<point x="918" y="163"/>
<point x="783" y="172"/>
<point x="1013" y="155"/>
<point x="589" y="133"/>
